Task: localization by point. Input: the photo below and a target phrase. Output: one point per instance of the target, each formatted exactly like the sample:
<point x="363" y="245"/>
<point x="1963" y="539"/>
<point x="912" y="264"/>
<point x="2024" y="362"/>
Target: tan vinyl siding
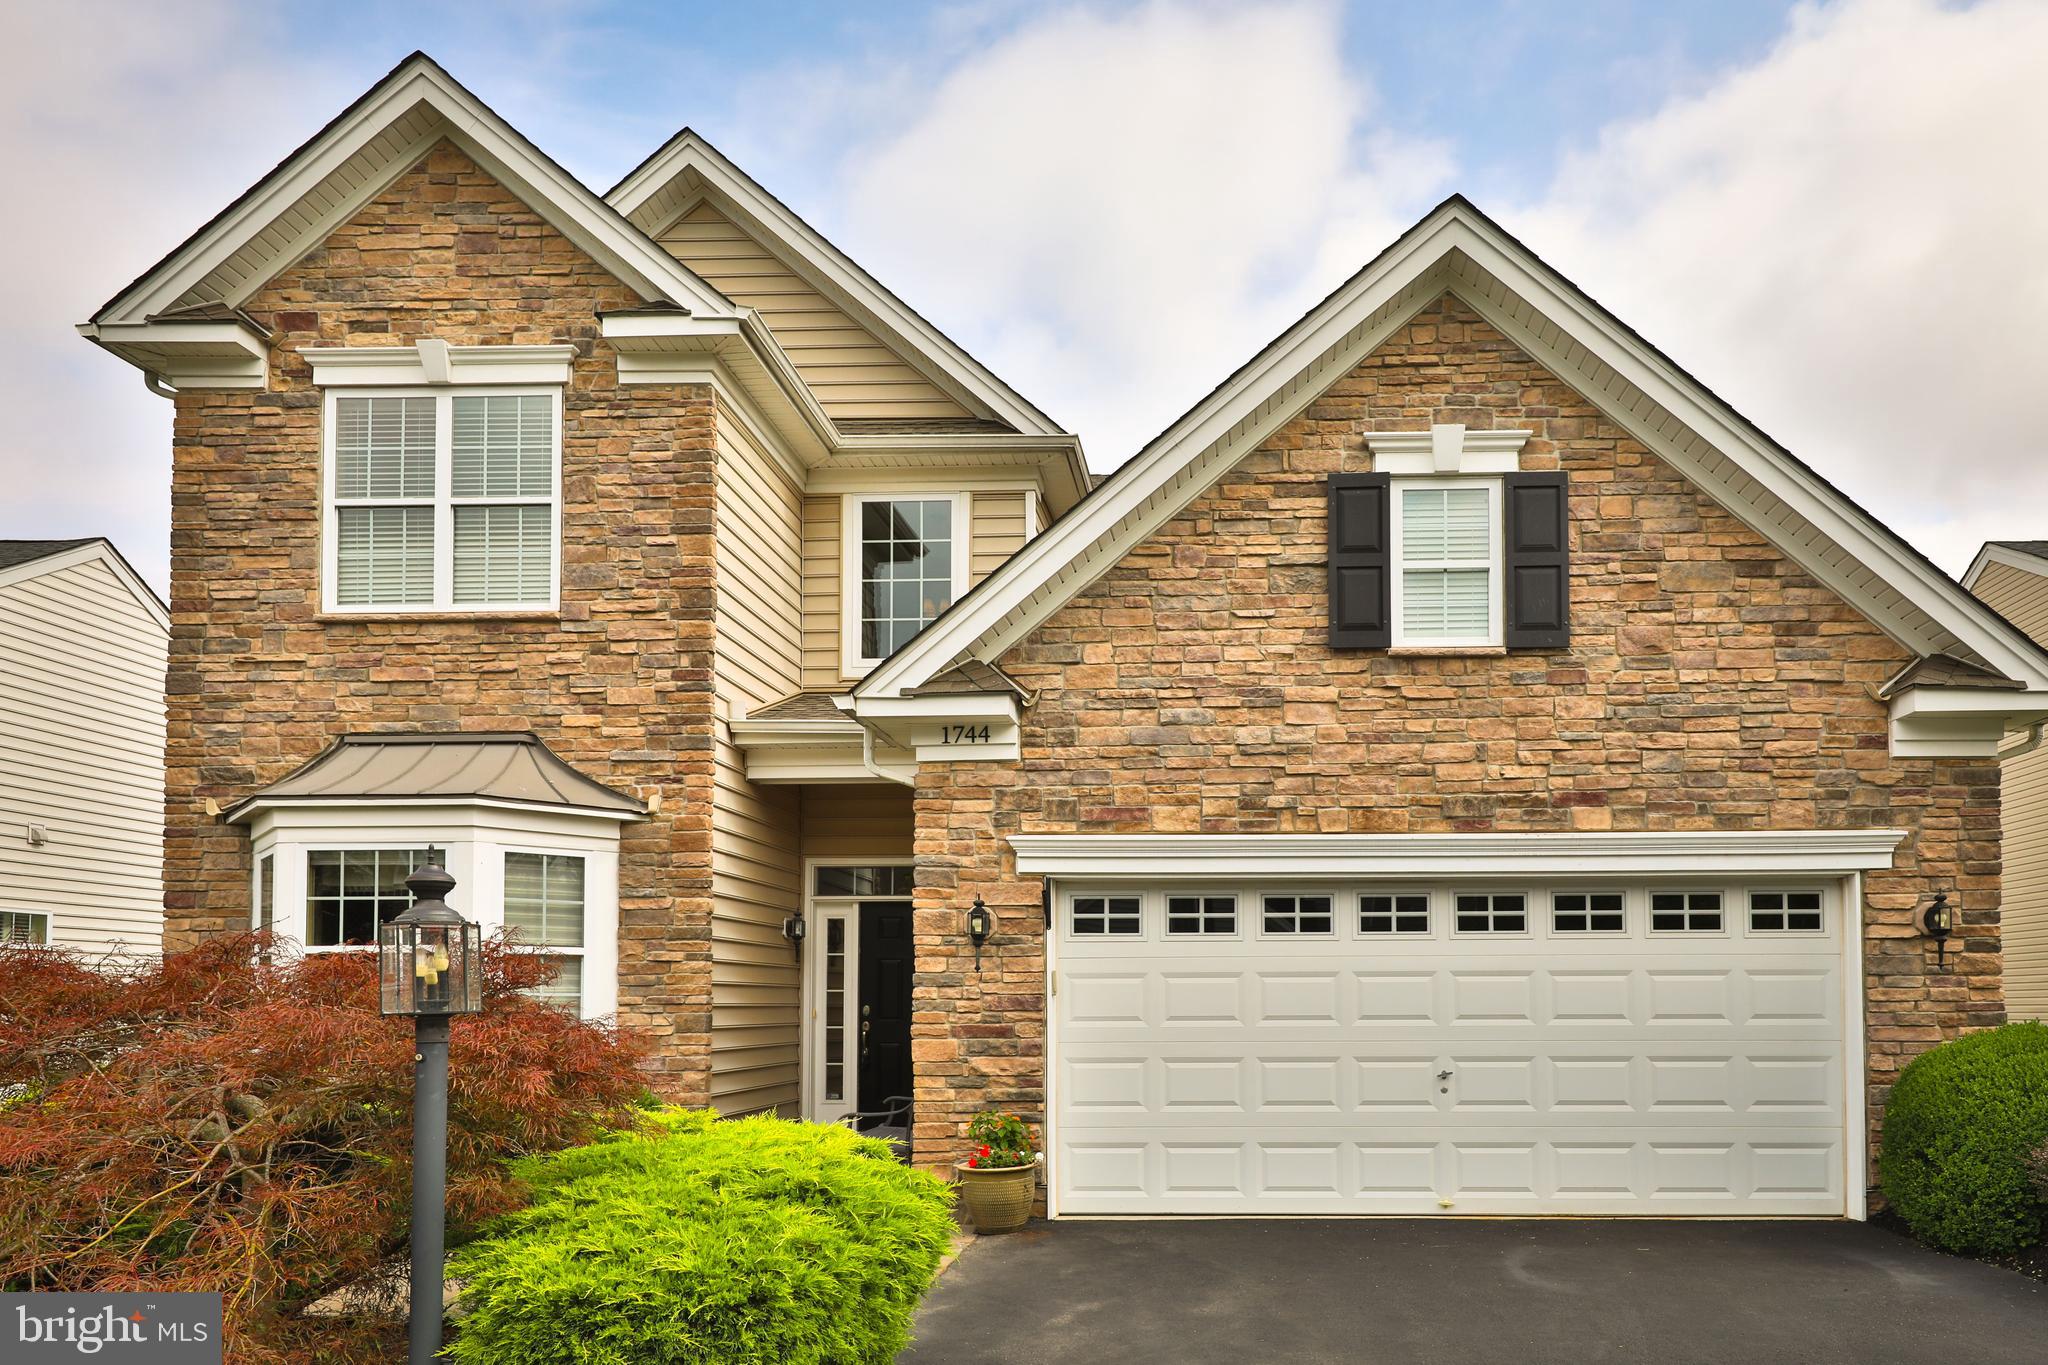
<point x="756" y="872"/>
<point x="997" y="528"/>
<point x="850" y="370"/>
<point x="82" y="755"/>
<point x="995" y="531"/>
<point x="858" y="821"/>
<point x="2022" y="598"/>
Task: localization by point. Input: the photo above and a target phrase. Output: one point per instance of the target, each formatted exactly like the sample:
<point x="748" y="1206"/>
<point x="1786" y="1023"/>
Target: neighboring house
<point x="1459" y="765"/>
<point x="2012" y="576"/>
<point x="82" y="648"/>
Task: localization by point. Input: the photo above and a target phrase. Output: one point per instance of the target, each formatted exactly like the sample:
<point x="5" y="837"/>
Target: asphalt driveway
<point x="1240" y="1291"/>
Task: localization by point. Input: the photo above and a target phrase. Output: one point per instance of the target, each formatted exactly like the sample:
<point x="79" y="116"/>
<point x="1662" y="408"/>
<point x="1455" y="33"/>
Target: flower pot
<point x="998" y="1197"/>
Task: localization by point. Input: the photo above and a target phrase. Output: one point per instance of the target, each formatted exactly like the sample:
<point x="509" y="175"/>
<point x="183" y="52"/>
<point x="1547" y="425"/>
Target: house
<point x="1459" y="766"/>
<point x="82" y="648"/>
<point x="2012" y="576"/>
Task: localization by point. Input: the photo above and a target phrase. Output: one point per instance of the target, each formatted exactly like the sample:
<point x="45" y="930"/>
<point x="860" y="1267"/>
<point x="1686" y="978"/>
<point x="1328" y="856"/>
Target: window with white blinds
<point x="448" y="500"/>
<point x="544" y="903"/>
<point x="1446" y="537"/>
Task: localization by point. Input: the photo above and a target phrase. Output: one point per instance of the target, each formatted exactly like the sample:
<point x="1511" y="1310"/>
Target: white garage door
<point x="1567" y="1049"/>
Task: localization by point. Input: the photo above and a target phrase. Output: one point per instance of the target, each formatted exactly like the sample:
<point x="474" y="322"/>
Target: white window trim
<point x="474" y="839"/>
<point x="49" y="926"/>
<point x="443" y="502"/>
<point x="852" y="663"/>
<point x="1495" y="615"/>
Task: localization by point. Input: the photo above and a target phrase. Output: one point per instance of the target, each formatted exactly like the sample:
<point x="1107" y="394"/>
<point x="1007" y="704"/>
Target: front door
<point x="884" y="1032"/>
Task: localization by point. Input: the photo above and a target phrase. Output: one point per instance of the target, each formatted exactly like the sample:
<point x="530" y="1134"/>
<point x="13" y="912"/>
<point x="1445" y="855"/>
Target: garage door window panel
<point x="1786" y="912"/>
<point x="1313" y="916"/>
<point x="1493" y="912"/>
<point x="1396" y="913"/>
<point x="1097" y="916"/>
<point x="1201" y="915"/>
<point x="1588" y="912"/>
<point x="1686" y="912"/>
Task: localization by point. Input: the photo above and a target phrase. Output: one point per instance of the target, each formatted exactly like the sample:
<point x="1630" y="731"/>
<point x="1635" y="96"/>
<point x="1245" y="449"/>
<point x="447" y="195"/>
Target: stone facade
<point x="1710" y="684"/>
<point x="618" y="681"/>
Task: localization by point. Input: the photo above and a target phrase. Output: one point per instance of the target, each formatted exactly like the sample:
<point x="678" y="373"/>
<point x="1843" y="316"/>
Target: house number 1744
<point x="963" y="734"/>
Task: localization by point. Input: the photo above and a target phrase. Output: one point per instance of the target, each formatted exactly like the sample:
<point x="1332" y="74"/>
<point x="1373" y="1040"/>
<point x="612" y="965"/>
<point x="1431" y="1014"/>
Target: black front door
<point x="885" y="956"/>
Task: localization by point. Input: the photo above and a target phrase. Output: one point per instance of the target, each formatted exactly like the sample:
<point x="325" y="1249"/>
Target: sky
<point x="1832" y="213"/>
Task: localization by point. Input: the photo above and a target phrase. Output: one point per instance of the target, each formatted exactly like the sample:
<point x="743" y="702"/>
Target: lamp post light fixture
<point x="981" y="927"/>
<point x="1939" y="922"/>
<point x="430" y="966"/>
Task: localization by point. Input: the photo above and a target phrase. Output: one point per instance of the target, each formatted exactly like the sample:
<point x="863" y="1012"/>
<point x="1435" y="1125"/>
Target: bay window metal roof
<point x="512" y="769"/>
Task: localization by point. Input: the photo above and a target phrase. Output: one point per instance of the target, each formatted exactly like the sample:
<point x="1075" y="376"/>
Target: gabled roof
<point x="2030" y="555"/>
<point x="1456" y="249"/>
<point x="21" y="560"/>
<point x="356" y="157"/>
<point x="514" y="769"/>
<point x="687" y="168"/>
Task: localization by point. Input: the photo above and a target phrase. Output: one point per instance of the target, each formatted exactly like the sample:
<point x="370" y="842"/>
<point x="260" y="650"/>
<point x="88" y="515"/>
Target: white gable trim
<point x="450" y="111"/>
<point x="85" y="554"/>
<point x="647" y="196"/>
<point x="1909" y="598"/>
<point x="2009" y="555"/>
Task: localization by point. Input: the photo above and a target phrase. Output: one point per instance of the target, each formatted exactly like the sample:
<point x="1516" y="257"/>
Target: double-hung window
<point x="443" y="500"/>
<point x="544" y="903"/>
<point x="1446" y="585"/>
<point x="24" y="928"/>
<point x="905" y="563"/>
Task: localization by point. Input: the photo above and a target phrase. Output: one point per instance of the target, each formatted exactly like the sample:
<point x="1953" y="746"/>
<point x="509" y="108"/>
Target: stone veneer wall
<point x="617" y="682"/>
<point x="1710" y="684"/>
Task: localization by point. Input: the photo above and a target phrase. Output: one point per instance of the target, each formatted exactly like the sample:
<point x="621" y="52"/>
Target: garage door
<point x="1554" y="1048"/>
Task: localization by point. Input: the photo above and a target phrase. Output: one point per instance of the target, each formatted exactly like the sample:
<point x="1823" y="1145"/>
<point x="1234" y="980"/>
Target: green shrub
<point x="1958" y="1130"/>
<point x="726" y="1243"/>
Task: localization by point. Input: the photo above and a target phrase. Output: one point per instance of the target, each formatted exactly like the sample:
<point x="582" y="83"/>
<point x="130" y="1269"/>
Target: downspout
<point x="867" y="757"/>
<point x="154" y="382"/>
<point x="2031" y="743"/>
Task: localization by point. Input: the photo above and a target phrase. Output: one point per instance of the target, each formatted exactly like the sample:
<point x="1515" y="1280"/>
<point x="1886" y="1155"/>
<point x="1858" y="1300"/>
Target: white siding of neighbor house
<point x="756" y="871"/>
<point x="82" y="756"/>
<point x="2022" y="598"/>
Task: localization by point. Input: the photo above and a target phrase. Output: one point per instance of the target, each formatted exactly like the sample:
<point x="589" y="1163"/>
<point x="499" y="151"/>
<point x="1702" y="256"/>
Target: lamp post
<point x="429" y="966"/>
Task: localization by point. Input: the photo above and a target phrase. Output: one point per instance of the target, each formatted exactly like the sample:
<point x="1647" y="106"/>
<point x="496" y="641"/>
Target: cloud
<point x="1114" y="209"/>
<point x="131" y="126"/>
<point x="1848" y="241"/>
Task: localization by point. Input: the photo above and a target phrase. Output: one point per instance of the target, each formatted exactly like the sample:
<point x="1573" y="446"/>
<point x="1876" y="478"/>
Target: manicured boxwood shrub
<point x="1958" y="1131"/>
<point x="732" y="1242"/>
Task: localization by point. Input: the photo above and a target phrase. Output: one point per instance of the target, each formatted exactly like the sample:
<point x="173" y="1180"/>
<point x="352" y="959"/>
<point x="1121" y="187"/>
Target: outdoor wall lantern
<point x="1939" y="922"/>
<point x="429" y="965"/>
<point x="793" y="930"/>
<point x="981" y="927"/>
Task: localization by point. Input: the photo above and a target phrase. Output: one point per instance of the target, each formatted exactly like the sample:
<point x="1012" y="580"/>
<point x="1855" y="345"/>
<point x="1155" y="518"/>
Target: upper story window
<point x="906" y="560"/>
<point x="1447" y="549"/>
<point x="442" y="500"/>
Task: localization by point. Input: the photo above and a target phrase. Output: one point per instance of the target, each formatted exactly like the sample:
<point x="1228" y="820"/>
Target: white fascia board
<point x="1230" y="423"/>
<point x="1050" y="570"/>
<point x="739" y="356"/>
<point x="2009" y="555"/>
<point x="950" y="706"/>
<point x="546" y="188"/>
<point x="366" y="366"/>
<point x="1454" y="855"/>
<point x="1822" y="506"/>
<point x="812" y="751"/>
<point x="843" y="279"/>
<point x="104" y="553"/>
<point x="188" y="355"/>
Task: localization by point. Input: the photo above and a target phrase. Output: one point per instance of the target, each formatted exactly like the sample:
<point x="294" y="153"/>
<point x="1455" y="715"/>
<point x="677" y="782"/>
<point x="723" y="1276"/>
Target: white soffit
<point x="1457" y="249"/>
<point x="674" y="178"/>
<point x="1811" y="852"/>
<point x="356" y="157"/>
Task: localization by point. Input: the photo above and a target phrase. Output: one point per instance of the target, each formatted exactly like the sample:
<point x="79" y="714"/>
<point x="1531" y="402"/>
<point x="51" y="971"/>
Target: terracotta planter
<point x="998" y="1198"/>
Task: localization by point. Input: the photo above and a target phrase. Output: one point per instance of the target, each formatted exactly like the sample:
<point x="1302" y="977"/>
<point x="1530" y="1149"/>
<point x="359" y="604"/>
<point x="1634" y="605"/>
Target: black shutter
<point x="1360" y="603"/>
<point x="1537" y="558"/>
